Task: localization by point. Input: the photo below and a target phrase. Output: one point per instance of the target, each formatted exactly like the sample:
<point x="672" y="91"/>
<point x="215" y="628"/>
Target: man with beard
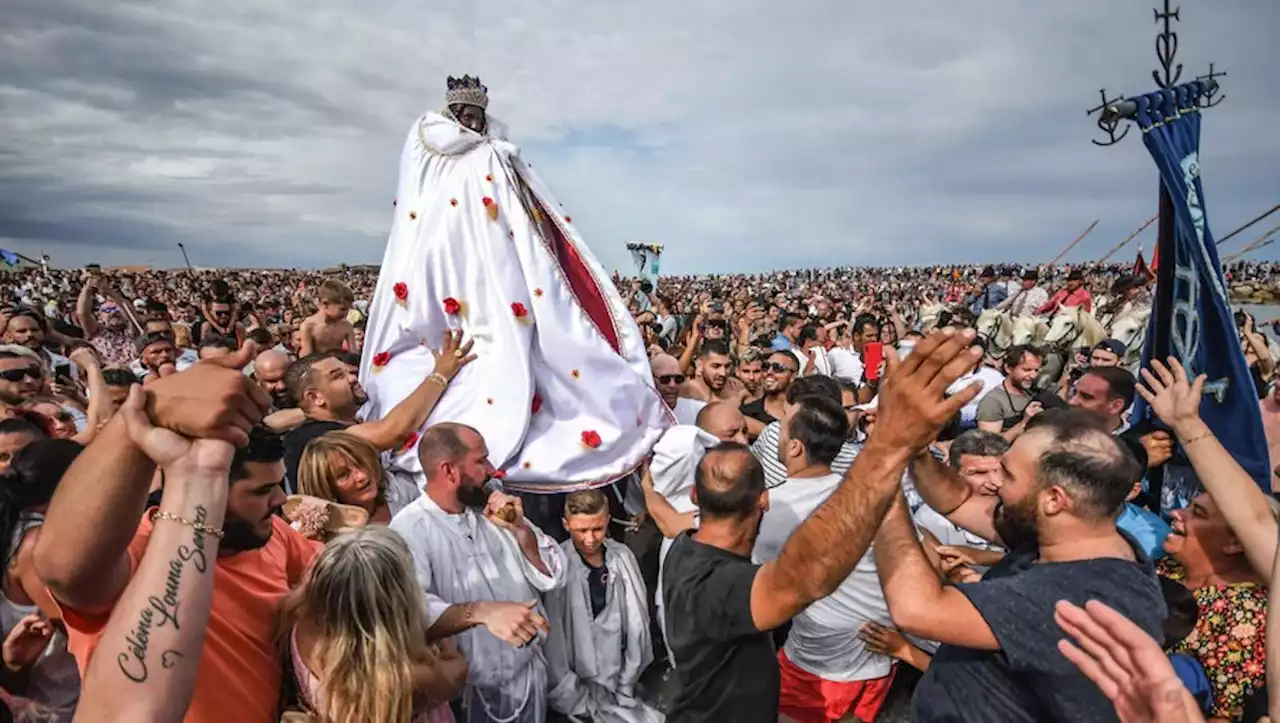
<point x="92" y="541"/>
<point x="482" y="567"/>
<point x="1007" y="409"/>
<point x="779" y="370"/>
<point x="27" y="328"/>
<point x="721" y="607"/>
<point x="328" y="392"/>
<point x="714" y="383"/>
<point x="750" y="374"/>
<point x="113" y="328"/>
<point x="1066" y="480"/>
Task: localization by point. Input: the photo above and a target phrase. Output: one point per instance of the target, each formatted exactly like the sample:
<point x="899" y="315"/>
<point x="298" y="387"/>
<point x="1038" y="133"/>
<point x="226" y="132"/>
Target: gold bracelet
<point x="471" y="608"/>
<point x="439" y="379"/>
<point x="197" y="526"/>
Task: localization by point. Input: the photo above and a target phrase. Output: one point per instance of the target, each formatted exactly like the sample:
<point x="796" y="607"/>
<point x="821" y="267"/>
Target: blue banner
<point x="1201" y="331"/>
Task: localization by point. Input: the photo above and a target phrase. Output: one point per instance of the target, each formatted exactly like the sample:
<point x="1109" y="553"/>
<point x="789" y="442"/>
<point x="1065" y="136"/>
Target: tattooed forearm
<point x="162" y="610"/>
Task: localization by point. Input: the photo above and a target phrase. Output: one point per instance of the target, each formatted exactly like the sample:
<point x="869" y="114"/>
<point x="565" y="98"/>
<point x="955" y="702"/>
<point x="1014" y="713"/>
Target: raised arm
<point x="410" y="414"/>
<point x="913" y="408"/>
<point x="153" y="641"/>
<point x="950" y="496"/>
<point x="1176" y="400"/>
<point x="84" y="307"/>
<point x="918" y="601"/>
<point x="100" y="408"/>
<point x="95" y="511"/>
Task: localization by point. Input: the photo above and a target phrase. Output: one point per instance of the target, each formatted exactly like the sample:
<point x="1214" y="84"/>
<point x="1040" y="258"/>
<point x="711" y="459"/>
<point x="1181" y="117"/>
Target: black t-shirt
<point x="1028" y="679"/>
<point x="756" y="411"/>
<point x="296" y="440"/>
<point x="728" y="669"/>
<point x="597" y="586"/>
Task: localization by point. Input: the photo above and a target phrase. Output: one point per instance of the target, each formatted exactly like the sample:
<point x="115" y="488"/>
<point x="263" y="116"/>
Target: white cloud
<point x="742" y="135"/>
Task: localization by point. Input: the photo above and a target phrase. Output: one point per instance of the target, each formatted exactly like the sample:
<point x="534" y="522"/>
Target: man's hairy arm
<point x="83" y="551"/>
<point x="918" y="601"/>
<point x="950" y="496"/>
<point x="824" y="549"/>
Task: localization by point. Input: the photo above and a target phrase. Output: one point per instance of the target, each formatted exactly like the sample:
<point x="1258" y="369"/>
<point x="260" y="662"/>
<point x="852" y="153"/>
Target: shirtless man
<point x="712" y="382"/>
<point x="328" y="330"/>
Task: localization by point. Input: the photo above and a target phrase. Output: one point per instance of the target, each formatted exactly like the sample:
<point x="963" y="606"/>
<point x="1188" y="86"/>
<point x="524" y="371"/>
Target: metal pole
<point x="1073" y="243"/>
<point x="1262" y="241"/>
<point x="1166" y="254"/>
<point x="184" y="256"/>
<point x="1129" y="238"/>
<point x="1247" y="225"/>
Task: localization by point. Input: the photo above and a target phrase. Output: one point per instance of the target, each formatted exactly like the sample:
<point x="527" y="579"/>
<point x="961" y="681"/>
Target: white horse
<point x="1072" y="328"/>
<point x="1029" y="330"/>
<point x="1130" y="329"/>
<point x="929" y="312"/>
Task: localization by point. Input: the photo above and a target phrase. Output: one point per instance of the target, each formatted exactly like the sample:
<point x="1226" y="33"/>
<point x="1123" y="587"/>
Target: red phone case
<point x="872" y="355"/>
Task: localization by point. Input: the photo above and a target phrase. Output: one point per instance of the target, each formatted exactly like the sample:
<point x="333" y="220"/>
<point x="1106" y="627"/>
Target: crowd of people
<point x="864" y="501"/>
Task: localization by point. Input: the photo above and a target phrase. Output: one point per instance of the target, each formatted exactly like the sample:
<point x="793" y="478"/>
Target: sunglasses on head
<point x="671" y="379"/>
<point x="775" y="367"/>
<point x="16" y="375"/>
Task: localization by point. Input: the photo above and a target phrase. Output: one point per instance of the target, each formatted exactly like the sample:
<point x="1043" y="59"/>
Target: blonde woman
<point x="344" y="468"/>
<point x="357" y="637"/>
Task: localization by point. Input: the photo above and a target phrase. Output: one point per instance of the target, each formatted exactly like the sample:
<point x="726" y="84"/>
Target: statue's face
<point x="470" y="116"/>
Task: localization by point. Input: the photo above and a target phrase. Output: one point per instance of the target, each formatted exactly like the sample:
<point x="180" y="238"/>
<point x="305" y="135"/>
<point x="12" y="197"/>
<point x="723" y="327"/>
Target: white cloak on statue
<point x="561" y="388"/>
<point x="594" y="662"/>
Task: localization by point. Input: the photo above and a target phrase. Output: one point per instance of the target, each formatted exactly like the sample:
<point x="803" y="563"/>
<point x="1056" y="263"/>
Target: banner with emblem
<point x="1200" y="331"/>
<point x="646" y="258"/>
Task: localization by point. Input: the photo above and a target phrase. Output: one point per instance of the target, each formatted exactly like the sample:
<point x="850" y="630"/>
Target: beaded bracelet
<point x="1203" y="435"/>
<point x="197" y="526"/>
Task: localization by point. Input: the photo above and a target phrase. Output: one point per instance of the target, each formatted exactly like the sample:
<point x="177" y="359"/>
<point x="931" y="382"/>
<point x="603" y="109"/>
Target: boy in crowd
<point x="328" y="330"/>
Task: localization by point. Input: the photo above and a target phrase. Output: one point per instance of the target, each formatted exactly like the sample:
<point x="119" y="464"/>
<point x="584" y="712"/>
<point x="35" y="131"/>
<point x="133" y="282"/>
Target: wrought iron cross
<point x="1166" y="76"/>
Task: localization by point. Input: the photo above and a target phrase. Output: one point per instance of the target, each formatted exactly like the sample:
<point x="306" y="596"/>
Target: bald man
<point x="667" y="377"/>
<point x="724" y="421"/>
<point x="482" y="567"/>
<point x="268" y="371"/>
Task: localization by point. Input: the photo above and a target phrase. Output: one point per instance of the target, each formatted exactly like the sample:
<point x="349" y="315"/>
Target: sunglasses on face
<point x="671" y="379"/>
<point x="16" y="375"/>
<point x="776" y="368"/>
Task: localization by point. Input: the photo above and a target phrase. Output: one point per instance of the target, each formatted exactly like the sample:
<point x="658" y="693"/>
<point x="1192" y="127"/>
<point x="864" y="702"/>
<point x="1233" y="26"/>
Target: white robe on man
<point x="594" y="661"/>
<point x="466" y="558"/>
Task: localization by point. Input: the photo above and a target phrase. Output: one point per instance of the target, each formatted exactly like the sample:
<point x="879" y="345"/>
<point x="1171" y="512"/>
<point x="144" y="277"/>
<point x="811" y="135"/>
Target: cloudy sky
<point x="744" y="135"/>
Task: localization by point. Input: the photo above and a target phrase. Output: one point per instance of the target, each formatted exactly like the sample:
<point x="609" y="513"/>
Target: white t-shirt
<point x="824" y="638"/>
<point x="687" y="409"/>
<point x="991" y="380"/>
<point x="845" y="364"/>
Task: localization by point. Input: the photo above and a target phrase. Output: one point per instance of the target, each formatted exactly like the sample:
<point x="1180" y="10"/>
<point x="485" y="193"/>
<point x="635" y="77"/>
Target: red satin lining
<point x="580" y="279"/>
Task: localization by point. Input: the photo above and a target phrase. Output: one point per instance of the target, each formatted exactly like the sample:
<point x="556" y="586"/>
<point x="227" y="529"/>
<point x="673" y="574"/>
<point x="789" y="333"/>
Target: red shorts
<point x="806" y="698"/>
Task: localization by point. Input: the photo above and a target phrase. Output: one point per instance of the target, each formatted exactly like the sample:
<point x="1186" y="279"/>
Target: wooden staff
<point x="1262" y="241"/>
<point x="1129" y="238"/>
<point x="1073" y="243"/>
<point x="1247" y="225"/>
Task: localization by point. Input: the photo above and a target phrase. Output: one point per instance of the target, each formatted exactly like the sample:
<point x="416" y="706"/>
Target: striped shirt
<point x="765" y="448"/>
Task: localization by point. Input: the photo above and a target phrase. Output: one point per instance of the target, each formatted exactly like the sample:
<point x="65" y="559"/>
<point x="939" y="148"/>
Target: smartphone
<point x="872" y="356"/>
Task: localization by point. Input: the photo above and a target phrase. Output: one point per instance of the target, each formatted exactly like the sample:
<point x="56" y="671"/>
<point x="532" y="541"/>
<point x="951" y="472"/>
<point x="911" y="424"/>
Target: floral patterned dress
<point x="1229" y="640"/>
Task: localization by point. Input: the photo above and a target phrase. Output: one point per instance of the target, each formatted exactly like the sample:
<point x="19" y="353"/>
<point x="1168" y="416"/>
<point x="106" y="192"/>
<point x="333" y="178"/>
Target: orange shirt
<point x="240" y="676"/>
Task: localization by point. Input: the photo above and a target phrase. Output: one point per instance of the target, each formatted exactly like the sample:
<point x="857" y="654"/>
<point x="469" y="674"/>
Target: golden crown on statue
<point x="466" y="91"/>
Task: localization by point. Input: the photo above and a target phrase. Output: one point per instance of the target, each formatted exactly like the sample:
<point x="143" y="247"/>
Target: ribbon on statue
<point x="1200" y="331"/>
